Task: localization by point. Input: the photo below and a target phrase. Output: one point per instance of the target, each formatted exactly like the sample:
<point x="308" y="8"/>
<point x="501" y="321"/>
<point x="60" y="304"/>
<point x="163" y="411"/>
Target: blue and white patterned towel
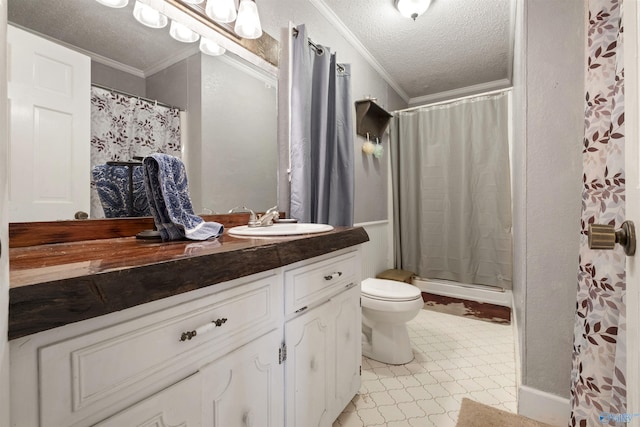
<point x="112" y="186"/>
<point x="165" y="180"/>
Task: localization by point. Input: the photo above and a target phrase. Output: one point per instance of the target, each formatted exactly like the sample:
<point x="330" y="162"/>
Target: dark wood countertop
<point x="55" y="284"/>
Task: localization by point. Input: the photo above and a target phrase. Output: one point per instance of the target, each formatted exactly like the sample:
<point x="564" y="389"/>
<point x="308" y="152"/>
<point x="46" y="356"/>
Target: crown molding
<point x="169" y="61"/>
<point x="461" y="92"/>
<point x="357" y="44"/>
<point x="264" y="77"/>
<point x="94" y="56"/>
<point x="110" y="62"/>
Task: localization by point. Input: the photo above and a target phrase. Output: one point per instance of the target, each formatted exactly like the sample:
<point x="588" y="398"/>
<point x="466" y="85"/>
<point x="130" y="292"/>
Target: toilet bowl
<point x="387" y="306"/>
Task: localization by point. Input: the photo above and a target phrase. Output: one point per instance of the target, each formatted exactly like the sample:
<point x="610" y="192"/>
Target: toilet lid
<point x="389" y="290"/>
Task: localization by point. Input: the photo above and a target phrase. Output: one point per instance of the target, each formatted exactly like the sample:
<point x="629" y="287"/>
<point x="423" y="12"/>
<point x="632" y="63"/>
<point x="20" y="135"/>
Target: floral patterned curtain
<point x="598" y="389"/>
<point x="123" y="127"/>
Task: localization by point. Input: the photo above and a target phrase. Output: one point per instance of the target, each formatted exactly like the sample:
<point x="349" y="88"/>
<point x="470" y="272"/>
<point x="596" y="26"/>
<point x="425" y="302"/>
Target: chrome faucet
<point x="253" y="221"/>
<point x="264" y="220"/>
<point x="268" y="217"/>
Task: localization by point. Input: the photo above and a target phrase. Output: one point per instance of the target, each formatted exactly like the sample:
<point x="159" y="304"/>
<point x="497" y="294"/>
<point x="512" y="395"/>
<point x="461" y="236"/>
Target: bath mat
<point x="474" y="414"/>
<point x="460" y="307"/>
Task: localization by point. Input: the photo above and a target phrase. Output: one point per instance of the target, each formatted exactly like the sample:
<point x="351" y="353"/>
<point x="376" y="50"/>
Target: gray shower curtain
<point x="322" y="174"/>
<point x="452" y="191"/>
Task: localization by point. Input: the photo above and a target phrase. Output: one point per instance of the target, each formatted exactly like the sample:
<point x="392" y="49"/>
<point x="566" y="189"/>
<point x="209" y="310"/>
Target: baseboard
<point x="544" y="407"/>
<point x="516" y="341"/>
<point x="468" y="292"/>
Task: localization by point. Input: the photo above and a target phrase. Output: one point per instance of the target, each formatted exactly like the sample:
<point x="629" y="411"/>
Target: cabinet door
<point x="347" y="358"/>
<point x="245" y="387"/>
<point x="307" y="368"/>
<point x="177" y="405"/>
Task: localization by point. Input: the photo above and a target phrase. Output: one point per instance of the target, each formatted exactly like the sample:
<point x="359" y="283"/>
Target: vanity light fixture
<point x="114" y="3"/>
<point x="412" y="8"/>
<point x="223" y="11"/>
<point x="146" y="15"/>
<point x="181" y="33"/>
<point x="210" y="47"/>
<point x="248" y="22"/>
<point x="193" y="1"/>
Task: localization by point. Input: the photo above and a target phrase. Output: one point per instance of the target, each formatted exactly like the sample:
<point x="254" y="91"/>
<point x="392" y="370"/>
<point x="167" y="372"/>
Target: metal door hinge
<point x="282" y="353"/>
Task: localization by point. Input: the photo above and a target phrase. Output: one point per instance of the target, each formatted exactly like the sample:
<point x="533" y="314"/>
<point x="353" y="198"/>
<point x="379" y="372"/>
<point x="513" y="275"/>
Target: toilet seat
<point x="389" y="290"/>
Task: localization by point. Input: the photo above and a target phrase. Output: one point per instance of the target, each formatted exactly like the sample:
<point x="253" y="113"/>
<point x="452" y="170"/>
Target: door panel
<point x="244" y="388"/>
<point x="176" y="406"/>
<point x="50" y="123"/>
<point x="348" y="348"/>
<point x="307" y="368"/>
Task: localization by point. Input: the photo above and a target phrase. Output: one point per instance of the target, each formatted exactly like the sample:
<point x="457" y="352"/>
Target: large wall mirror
<point x="228" y="103"/>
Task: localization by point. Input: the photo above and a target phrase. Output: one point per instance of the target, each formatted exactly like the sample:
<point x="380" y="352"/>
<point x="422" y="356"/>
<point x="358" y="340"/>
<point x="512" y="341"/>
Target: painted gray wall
<point x="117" y="79"/>
<point x="231" y="149"/>
<point x="239" y="137"/>
<point x="179" y="85"/>
<point x="370" y="174"/>
<point x="548" y="127"/>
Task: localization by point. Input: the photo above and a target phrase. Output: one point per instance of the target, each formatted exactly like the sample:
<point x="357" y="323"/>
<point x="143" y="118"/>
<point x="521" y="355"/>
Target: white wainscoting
<point x="377" y="253"/>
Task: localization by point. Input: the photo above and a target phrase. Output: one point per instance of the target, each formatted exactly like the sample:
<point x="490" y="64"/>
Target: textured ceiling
<point x="111" y="33"/>
<point x="456" y="44"/>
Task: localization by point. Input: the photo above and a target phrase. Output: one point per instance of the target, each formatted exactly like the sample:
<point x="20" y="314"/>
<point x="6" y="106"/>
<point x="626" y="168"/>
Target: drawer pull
<point x="300" y="310"/>
<point x="333" y="276"/>
<point x="203" y="329"/>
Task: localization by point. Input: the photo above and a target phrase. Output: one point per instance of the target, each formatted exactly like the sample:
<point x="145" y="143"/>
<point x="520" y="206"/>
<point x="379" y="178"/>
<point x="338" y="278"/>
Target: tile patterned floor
<point x="455" y="357"/>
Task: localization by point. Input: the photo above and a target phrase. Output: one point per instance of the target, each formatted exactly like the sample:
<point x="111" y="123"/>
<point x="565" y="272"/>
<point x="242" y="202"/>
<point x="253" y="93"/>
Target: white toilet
<point x="387" y="306"/>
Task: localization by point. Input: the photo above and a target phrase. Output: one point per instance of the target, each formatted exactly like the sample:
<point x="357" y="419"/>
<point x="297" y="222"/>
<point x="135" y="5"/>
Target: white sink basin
<point x="279" y="230"/>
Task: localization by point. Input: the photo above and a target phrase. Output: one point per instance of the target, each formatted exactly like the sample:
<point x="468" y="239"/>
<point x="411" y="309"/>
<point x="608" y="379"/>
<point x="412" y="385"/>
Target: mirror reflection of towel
<point x="112" y="186"/>
<point x="165" y="181"/>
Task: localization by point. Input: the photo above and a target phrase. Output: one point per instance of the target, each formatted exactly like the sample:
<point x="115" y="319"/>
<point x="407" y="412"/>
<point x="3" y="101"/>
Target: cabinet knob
<point x="333" y="275"/>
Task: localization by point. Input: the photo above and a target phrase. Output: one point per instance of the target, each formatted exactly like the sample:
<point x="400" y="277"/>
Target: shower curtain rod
<point x="450" y="101"/>
<point x="151" y="101"/>
<point x="315" y="47"/>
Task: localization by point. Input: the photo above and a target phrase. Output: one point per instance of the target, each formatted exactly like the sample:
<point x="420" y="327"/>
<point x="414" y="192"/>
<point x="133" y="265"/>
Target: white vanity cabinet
<point x="322" y="336"/>
<point x="244" y="388"/>
<point x="279" y="348"/>
<point x="122" y="365"/>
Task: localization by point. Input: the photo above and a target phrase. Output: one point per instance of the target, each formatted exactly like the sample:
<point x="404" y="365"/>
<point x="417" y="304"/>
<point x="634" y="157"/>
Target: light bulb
<point x="181" y="33"/>
<point x="248" y="22"/>
<point x="412" y="8"/>
<point x="221" y="10"/>
<point x="193" y="1"/>
<point x="210" y="47"/>
<point x="114" y="3"/>
<point x="146" y="15"/>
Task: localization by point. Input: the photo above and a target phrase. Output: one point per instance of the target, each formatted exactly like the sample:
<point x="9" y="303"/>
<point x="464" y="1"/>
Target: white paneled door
<point x="49" y="89"/>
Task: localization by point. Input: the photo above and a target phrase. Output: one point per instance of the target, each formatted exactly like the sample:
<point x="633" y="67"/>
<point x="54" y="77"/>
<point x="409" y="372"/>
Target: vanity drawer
<point x="86" y="375"/>
<point x="315" y="283"/>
